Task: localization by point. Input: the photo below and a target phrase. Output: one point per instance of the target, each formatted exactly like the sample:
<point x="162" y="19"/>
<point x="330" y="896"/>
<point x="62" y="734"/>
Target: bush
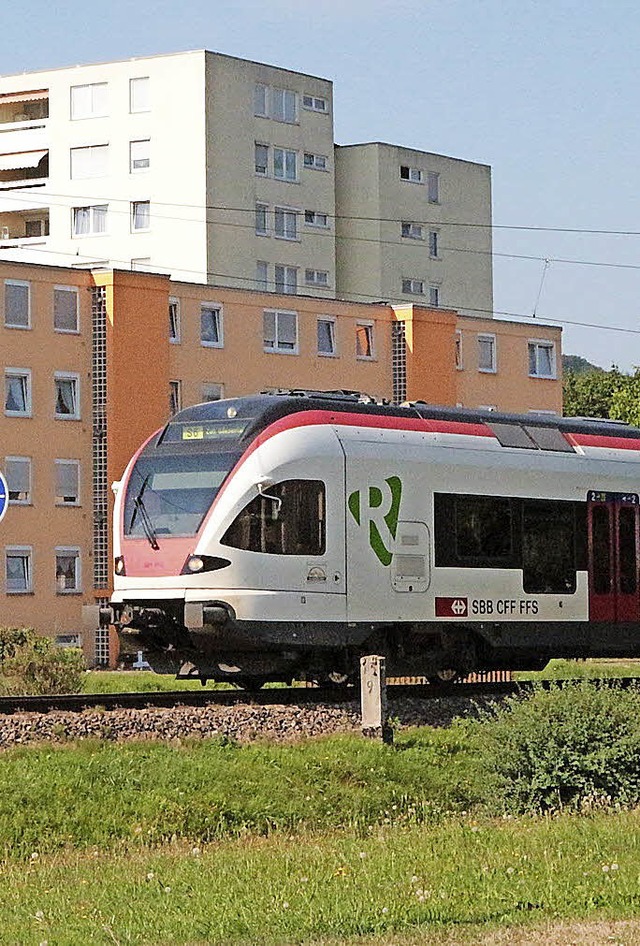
<point x="31" y="664"/>
<point x="573" y="747"/>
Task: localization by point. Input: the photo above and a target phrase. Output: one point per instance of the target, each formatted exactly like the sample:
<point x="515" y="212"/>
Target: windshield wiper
<point x="147" y="526"/>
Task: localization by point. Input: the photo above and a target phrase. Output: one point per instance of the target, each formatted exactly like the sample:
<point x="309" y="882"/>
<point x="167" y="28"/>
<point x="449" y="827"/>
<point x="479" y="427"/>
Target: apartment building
<point x="413" y="225"/>
<point x="95" y="361"/>
<point x="220" y="170"/>
<point x="211" y="168"/>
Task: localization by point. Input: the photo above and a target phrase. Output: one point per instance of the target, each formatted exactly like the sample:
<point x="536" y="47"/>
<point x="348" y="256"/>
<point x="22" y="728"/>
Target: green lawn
<point x="460" y="877"/>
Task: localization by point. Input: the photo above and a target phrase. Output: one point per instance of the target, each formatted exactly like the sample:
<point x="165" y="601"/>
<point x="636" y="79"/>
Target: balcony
<point x="24" y="228"/>
<point x="18" y="109"/>
<point x="23" y="169"/>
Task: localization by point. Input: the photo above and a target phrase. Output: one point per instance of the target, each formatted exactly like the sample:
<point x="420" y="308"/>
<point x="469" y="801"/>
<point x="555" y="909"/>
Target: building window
<point x="89" y="101"/>
<point x="262" y="159"/>
<point x="315" y="103"/>
<point x="140" y="94"/>
<point x="413" y="287"/>
<point x="542" y="360"/>
<point x="18" y="571"/>
<point x="37" y="227"/>
<point x="139" y="155"/>
<point x="67" y="483"/>
<point x="65" y="309"/>
<point x="175" y="397"/>
<point x="212" y="391"/>
<point x="280" y="331"/>
<point x="285" y="164"/>
<point x="316" y="277"/>
<point x="18" y="474"/>
<point x="261" y="100"/>
<point x="433" y="187"/>
<point x="316" y="161"/>
<point x="458" y="344"/>
<point x="261" y="219"/>
<point x="314" y="219"/>
<point x="67" y="400"/>
<point x="262" y="276"/>
<point x="140" y="215"/>
<point x="433" y="244"/>
<point x="434" y="296"/>
<point x="89" y="162"/>
<point x="286" y="223"/>
<point x="487" y="353"/>
<point x="211" y="326"/>
<point x="17" y="392"/>
<point x="284" y="105"/>
<point x="17" y="304"/>
<point x="412" y="231"/>
<point x="326" y="336"/>
<point x="67" y="571"/>
<point x="174" y="321"/>
<point x="90" y="221"/>
<point x="410" y="174"/>
<point x="286" y="279"/>
<point x="364" y="340"/>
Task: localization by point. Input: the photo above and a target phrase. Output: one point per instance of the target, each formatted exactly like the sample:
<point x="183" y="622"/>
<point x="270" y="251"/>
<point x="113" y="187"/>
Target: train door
<point x="613" y="532"/>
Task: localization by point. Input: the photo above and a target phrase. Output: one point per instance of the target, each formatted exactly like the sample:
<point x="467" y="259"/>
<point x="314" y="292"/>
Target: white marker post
<point x="373" y="699"/>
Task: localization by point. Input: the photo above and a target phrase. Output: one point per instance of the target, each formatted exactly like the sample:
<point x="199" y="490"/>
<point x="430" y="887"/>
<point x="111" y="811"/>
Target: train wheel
<point x="445" y="676"/>
<point x="250" y="684"/>
<point x="334" y="678"/>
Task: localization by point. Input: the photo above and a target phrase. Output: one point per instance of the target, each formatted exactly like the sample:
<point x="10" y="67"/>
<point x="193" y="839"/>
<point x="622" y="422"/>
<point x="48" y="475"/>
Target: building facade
<point x="413" y="225"/>
<point x="95" y="361"/>
<point x="220" y="170"/>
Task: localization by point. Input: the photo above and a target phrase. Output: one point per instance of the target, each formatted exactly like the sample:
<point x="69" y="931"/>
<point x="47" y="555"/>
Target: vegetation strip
<point x="465" y="875"/>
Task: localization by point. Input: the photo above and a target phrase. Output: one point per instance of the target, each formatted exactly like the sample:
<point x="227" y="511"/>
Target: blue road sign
<point x="4" y="495"/>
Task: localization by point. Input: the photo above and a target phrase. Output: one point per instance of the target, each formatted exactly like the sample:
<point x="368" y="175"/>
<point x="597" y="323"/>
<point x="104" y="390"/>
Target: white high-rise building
<point x="221" y="170"/>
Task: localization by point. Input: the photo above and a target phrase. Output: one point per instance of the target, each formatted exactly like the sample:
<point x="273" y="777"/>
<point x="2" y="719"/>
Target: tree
<point x="608" y="394"/>
<point x="590" y="394"/>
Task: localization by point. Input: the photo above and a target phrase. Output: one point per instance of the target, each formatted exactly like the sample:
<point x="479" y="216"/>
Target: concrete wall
<point x="373" y="258"/>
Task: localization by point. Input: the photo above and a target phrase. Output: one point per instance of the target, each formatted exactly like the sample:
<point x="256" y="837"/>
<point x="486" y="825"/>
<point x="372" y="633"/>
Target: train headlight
<point x="118" y="565"/>
<point x="196" y="564"/>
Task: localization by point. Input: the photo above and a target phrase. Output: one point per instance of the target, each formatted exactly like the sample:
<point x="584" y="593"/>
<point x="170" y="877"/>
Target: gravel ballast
<point x="240" y="722"/>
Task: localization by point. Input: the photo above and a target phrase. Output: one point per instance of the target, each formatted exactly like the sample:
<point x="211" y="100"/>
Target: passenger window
<point x="287" y="519"/>
<point x="483" y="530"/>
<point x="548" y="547"/>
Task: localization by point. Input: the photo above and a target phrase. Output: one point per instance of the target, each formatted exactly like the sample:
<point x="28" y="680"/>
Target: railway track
<point x="269" y="697"/>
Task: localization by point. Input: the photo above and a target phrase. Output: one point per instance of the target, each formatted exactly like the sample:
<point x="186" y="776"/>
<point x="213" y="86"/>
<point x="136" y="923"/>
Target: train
<point x="284" y="535"/>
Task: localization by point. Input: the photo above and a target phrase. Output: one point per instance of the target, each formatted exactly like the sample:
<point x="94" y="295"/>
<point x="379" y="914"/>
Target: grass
<point x="138" y="794"/>
<point x="463" y="875"/>
<point x="582" y="670"/>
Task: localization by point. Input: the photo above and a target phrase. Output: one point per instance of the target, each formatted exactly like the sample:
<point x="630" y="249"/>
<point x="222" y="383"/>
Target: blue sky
<point x="546" y="93"/>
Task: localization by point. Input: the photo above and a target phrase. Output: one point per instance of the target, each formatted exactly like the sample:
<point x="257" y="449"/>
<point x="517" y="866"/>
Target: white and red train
<point x="279" y="536"/>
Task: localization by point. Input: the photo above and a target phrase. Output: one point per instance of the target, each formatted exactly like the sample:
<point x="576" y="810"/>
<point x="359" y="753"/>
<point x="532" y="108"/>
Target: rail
<point x="278" y="696"/>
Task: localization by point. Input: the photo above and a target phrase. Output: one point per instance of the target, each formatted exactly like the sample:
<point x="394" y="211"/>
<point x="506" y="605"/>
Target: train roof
<point x="263" y="409"/>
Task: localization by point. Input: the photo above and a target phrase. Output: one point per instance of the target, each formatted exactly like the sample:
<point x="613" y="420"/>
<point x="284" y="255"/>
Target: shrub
<point x="575" y="747"/>
<point x="31" y="664"/>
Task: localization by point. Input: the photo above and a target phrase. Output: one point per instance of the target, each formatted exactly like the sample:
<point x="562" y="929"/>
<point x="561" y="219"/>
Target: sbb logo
<point x="451" y="607"/>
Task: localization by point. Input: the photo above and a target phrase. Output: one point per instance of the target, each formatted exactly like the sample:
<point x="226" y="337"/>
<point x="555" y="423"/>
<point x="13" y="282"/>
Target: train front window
<point x="170" y="495"/>
<point x="287" y="519"/>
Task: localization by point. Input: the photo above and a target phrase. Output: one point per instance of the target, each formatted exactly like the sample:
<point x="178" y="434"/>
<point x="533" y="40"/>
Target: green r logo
<point x="382" y="515"/>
